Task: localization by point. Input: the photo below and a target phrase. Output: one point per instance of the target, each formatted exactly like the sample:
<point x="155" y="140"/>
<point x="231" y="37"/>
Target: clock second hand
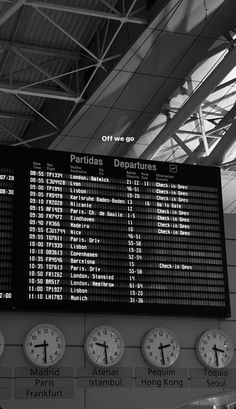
<point x="44" y="345"/>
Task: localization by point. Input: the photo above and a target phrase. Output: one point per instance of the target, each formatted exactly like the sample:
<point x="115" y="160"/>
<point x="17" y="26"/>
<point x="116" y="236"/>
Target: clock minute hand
<point x="216" y="355"/>
<point x="162" y="353"/>
<point x="105" y="348"/>
<point x="44" y="346"/>
<point x="45" y="351"/>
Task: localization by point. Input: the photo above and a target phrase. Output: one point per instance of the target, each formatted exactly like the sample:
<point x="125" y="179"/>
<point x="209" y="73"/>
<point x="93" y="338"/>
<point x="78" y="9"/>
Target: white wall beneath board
<point x="76" y="326"/>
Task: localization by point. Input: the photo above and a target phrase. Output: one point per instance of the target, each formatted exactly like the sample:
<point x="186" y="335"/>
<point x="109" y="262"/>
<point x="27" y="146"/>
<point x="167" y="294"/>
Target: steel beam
<point x="36" y="111"/>
<point x="36" y="92"/>
<point x="225" y="122"/>
<point x="216" y="76"/>
<point x="12" y="134"/>
<point x="85" y="12"/>
<point x="11" y="10"/>
<point x="101" y="60"/>
<point x="67" y="34"/>
<point x="218" y="154"/>
<point x="42" y="71"/>
<point x="40" y="50"/>
<point x="204" y="138"/>
<point x="36" y="138"/>
<point x="59" y="76"/>
<point x="21" y="117"/>
<point x="110" y="6"/>
<point x="183" y="145"/>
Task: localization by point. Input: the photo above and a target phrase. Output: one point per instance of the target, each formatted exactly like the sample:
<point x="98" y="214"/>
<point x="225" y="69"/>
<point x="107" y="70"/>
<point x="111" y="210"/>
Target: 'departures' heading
<point x="134" y="165"/>
<point x="90" y="160"/>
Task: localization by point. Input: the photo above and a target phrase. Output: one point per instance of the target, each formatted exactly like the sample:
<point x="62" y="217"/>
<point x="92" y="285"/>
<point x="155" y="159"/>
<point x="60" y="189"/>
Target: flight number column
<point x="46" y="233"/>
<point x="134" y="244"/>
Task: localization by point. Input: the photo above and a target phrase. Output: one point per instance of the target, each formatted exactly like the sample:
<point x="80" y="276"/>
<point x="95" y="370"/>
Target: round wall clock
<point x="214" y="349"/>
<point x="44" y="345"/>
<point x="160" y="347"/>
<point x="104" y="346"/>
<point x="1" y="343"/>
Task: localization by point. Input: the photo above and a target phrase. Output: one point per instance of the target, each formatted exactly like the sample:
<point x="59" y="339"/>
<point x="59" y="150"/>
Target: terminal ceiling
<point x="159" y="74"/>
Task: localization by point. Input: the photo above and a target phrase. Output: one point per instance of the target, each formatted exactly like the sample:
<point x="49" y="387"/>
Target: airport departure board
<point x="95" y="233"/>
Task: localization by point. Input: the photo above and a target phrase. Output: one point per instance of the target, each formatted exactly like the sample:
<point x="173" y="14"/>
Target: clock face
<point x="104" y="346"/>
<point x="44" y="345"/>
<point x="214" y="349"/>
<point x="160" y="347"/>
<point x="1" y="343"/>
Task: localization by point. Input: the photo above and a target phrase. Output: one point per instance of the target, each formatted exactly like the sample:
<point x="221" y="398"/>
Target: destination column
<point x="81" y="217"/>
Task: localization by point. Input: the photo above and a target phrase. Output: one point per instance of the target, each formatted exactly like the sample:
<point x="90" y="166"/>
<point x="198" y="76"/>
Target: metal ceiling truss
<point x="196" y="108"/>
<point x="66" y="85"/>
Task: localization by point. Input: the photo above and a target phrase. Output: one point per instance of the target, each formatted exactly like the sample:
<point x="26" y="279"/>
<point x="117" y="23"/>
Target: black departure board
<point x="95" y="233"/>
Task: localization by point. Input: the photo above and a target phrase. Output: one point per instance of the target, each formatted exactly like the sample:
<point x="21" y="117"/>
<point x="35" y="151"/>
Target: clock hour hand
<point x="99" y="344"/>
<point x="165" y="346"/>
<point x="220" y="350"/>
